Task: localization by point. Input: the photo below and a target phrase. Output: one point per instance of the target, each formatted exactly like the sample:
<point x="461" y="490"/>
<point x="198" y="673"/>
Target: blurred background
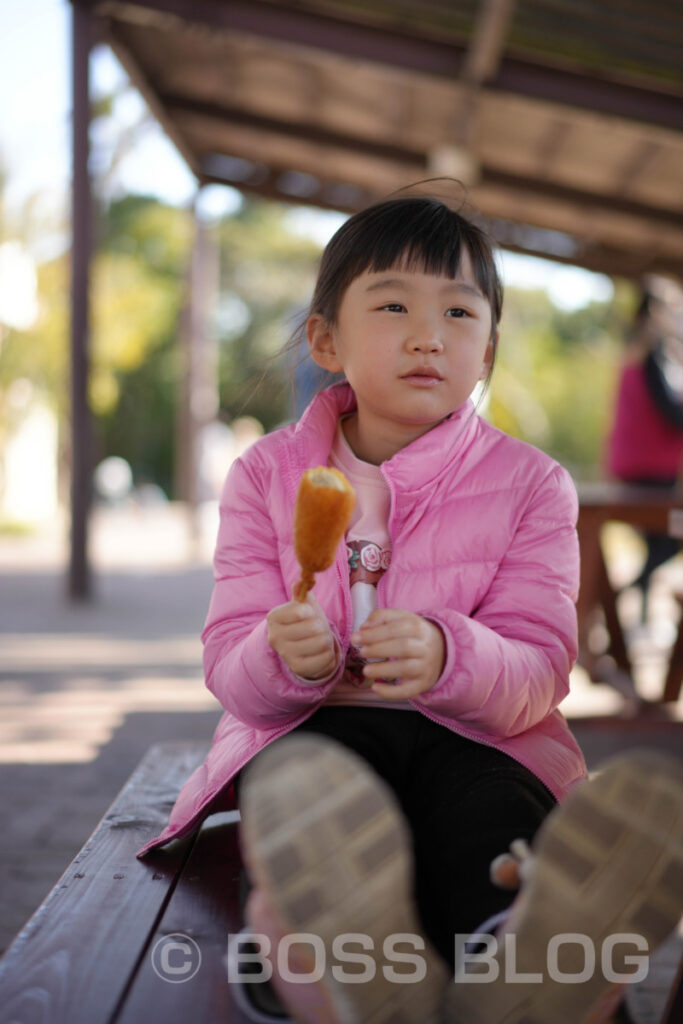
<point x="158" y="246"/>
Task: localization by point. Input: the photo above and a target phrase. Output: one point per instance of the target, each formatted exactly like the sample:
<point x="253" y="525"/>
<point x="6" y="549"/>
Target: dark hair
<point x="415" y="232"/>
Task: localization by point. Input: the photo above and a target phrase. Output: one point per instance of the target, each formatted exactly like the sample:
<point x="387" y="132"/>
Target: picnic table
<point x="97" y="950"/>
<point x="645" y="508"/>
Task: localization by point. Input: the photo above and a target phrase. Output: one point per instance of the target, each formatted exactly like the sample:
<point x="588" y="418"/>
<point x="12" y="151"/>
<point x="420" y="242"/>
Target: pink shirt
<point x="368" y="547"/>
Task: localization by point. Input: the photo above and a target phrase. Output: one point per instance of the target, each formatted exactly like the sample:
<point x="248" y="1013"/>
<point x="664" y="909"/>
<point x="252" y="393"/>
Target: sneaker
<point x="607" y="863"/>
<point x="326" y="844"/>
<point x="255" y="999"/>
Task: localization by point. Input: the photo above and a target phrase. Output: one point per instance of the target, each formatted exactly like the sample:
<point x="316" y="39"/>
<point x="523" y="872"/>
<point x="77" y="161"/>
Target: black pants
<point x="465" y="803"/>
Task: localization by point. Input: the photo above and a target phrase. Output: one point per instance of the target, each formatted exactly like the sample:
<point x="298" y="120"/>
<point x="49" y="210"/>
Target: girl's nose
<point x="425" y="339"/>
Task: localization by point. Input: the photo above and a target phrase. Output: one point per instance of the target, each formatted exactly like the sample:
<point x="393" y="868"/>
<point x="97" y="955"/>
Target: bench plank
<point x="204" y="906"/>
<point x="67" y="966"/>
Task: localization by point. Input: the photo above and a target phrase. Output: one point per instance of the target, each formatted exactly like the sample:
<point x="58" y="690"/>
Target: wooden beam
<point x="409" y="52"/>
<point x="585" y="92"/>
<point x="303" y="130"/>
<point x="271" y="183"/>
<point x="553" y="140"/>
<point x="523" y="238"/>
<point x="517" y="237"/>
<point x="113" y="38"/>
<point x="530" y="239"/>
<point x="481" y="62"/>
<point x="485" y="51"/>
<point x="633" y="168"/>
<point x="413" y="160"/>
<point x="589" y="201"/>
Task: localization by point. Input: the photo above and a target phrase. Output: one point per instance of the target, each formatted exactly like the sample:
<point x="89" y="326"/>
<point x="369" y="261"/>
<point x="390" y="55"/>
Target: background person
<point x="645" y="445"/>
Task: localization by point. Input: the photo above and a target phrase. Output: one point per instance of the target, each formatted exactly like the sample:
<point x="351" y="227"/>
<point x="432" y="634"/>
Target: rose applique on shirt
<point x="367" y="561"/>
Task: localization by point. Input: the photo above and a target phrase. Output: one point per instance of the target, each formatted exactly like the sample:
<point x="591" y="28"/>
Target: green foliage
<point x="272" y="272"/>
<point x="263" y="269"/>
<point x="555" y="377"/>
<point x="153" y="234"/>
<point x="140" y="427"/>
<point x="135" y="310"/>
<point x="40" y="353"/>
<point x="139" y="289"/>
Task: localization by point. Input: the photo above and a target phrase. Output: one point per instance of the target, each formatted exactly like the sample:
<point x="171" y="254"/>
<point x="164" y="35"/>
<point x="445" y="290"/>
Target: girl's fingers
<point x="293" y="611"/>
<point x="400" y="691"/>
<point x="393" y="648"/>
<point x="399" y="668"/>
<point x="389" y="624"/>
<point x="310" y="663"/>
<point x="380" y="615"/>
<point x="308" y="629"/>
<point x="379" y="640"/>
<point x="314" y="646"/>
<point x="307" y="646"/>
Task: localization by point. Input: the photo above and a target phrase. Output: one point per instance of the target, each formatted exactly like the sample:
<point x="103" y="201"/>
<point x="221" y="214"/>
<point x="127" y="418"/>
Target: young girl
<point x="439" y="645"/>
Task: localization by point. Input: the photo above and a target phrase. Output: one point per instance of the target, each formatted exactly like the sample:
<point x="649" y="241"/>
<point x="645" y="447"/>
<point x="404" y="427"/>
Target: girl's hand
<point x="416" y="647"/>
<point x="301" y="635"/>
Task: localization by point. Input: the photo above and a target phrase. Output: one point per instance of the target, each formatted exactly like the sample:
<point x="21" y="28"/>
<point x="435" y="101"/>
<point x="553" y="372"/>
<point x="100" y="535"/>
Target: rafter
<point x="413" y="160"/>
<point x="409" y="52"/>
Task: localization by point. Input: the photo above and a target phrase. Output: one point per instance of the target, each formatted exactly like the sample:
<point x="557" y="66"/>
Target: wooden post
<point x="79" y="583"/>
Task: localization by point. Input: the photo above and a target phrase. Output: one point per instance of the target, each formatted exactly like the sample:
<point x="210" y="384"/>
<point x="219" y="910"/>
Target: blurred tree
<point x="264" y="269"/>
<point x="267" y="276"/>
<point x="555" y="376"/>
<point x="139" y="294"/>
<point x="26" y="353"/>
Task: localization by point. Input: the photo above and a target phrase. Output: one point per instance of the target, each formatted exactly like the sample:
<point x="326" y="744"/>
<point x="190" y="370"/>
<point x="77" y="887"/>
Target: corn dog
<point x="322" y="512"/>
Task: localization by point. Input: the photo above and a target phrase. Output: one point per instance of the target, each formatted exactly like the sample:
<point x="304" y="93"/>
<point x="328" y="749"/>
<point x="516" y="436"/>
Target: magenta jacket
<point x="643" y="444"/>
<point x="483" y="543"/>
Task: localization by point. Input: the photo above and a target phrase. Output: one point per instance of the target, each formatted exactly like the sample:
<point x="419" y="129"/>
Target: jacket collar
<point x="417" y="465"/>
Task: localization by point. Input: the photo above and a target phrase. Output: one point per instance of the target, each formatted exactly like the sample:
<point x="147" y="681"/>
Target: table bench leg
<point x="674" y="676"/>
<point x="617" y="644"/>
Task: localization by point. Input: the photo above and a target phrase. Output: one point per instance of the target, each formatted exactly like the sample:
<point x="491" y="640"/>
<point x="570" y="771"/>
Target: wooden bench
<point x="93" y="951"/>
<point x="87" y="955"/>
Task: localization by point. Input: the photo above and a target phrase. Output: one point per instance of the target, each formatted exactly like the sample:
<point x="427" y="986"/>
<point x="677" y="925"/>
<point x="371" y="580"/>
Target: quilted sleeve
<point x="507" y="666"/>
<point x="247" y="676"/>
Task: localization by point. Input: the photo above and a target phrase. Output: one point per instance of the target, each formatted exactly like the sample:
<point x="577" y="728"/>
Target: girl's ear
<point x="489" y="356"/>
<point x="321" y="343"/>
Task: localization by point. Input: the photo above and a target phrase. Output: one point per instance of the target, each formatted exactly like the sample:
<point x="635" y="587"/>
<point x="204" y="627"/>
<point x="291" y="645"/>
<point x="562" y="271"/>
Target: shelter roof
<point x="564" y="117"/>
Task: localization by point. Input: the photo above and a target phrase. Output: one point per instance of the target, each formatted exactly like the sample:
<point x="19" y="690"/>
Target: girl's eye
<point x="456" y="312"/>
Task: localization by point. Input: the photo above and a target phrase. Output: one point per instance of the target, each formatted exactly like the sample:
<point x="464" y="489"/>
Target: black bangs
<point x="417" y="233"/>
<point x="414" y="236"/>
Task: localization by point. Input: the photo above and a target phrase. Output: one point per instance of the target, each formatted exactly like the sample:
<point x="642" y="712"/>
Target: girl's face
<point x="412" y="346"/>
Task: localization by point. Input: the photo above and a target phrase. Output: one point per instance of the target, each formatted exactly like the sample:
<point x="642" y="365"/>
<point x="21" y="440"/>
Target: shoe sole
<point x="609" y="861"/>
<point x="323" y="836"/>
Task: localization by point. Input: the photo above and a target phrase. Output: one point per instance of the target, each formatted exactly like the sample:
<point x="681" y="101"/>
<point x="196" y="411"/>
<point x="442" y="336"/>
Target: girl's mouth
<point x="422" y="379"/>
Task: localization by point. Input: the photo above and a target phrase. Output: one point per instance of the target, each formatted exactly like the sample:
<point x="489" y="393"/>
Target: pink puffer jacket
<point x="483" y="543"/>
